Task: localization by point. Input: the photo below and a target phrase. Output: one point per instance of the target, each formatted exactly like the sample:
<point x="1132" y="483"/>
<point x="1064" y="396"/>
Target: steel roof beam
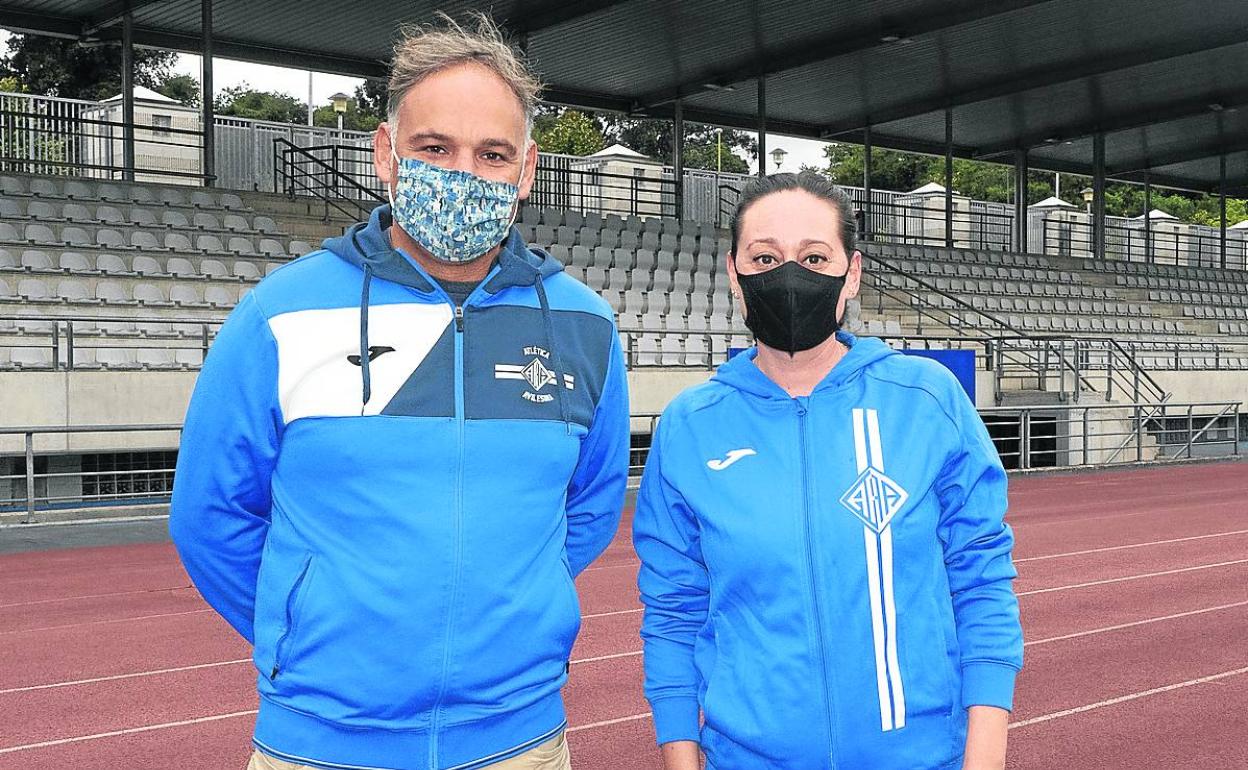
<point x="1043" y="77"/>
<point x="1125" y="120"/>
<point x="884" y="32"/>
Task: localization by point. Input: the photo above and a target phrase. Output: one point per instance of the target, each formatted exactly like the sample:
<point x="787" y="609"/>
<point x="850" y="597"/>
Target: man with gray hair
<point x="404" y="447"/>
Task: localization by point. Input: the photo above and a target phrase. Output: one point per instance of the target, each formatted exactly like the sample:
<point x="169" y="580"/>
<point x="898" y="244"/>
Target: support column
<point x="1222" y="211"/>
<point x="208" y="118"/>
<point x="762" y="125"/>
<point x="866" y="183"/>
<point x="949" y="177"/>
<point x="127" y="93"/>
<point x="678" y="157"/>
<point x="1020" y="200"/>
<point x="1098" y="196"/>
<point x="1148" y="219"/>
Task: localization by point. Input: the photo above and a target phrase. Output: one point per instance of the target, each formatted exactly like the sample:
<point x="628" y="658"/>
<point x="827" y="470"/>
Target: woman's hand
<point x="681" y="755"/>
<point x="986" y="731"/>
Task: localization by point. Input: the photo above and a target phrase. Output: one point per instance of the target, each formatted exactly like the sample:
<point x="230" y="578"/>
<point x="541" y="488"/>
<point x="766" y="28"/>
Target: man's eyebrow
<point x="429" y="136"/>
<point x="498" y="143"/>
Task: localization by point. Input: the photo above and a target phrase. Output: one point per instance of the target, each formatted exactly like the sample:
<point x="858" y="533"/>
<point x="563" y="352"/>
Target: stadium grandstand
<point x="1085" y="340"/>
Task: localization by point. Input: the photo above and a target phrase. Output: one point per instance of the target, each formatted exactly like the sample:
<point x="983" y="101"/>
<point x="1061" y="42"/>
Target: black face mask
<point x="791" y="308"/>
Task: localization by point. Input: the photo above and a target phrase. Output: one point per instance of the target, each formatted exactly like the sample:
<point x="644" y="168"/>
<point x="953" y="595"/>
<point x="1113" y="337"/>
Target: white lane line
<point x="1129" y="697"/>
<point x="607" y="722"/>
<point x="103" y="622"/>
<point x="1132" y="577"/>
<point x="634" y="564"/>
<point x="96" y="596"/>
<point x="1133" y="624"/>
<point x="1131" y="545"/>
<point x="127" y="731"/>
<point x="612" y="613"/>
<point x="614" y="656"/>
<point x="116" y="677"/>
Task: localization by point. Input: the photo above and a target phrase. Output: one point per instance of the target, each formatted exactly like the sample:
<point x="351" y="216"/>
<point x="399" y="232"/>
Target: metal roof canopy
<point x="1162" y="79"/>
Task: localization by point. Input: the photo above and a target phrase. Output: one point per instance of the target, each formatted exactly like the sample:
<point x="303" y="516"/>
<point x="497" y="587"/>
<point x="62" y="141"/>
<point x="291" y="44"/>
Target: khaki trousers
<point x="551" y="755"/>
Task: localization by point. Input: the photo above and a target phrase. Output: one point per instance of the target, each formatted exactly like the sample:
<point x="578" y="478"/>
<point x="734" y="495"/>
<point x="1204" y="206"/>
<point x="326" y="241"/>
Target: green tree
<point x="245" y="102"/>
<point x="371" y="97"/>
<point x="183" y="88"/>
<point x="352" y="120"/>
<point x="570" y="133"/>
<point x="890" y="169"/>
<point x="58" y="67"/>
<point x="11" y="85"/>
<point x="703" y="143"/>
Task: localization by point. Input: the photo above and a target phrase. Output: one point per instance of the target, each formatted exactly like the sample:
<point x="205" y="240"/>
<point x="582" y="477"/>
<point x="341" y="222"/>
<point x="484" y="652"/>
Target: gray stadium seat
<point x="117" y="358"/>
<point x="299" y="248"/>
<point x="110" y="239"/>
<point x="155" y="358"/>
<point x="142" y="239"/>
<point x="150" y="294"/>
<point x="171" y="197"/>
<point x="37" y="261"/>
<point x="179" y="242"/>
<point x="72" y="290"/>
<point x="31" y="357"/>
<point x="186" y="295"/>
<point x="204" y="200"/>
<point x="111" y="263"/>
<point x="205" y="221"/>
<point x="44" y="211"/>
<point x="110" y="215"/>
<point x="146" y="265"/>
<point x="672" y="353"/>
<point x="76" y="212"/>
<point x="44" y="188"/>
<point x="235" y="223"/>
<point x="12" y="186"/>
<point x="113" y="292"/>
<point x="79" y="190"/>
<point x="9" y="233"/>
<point x="35" y="290"/>
<point x="189" y="358"/>
<point x="240" y="245"/>
<point x="40" y="234"/>
<point x="213" y="268"/>
<point x="209" y="244"/>
<point x="7" y="260"/>
<point x="11" y="209"/>
<point x="174" y="218"/>
<point x="181" y="267"/>
<point x="220" y="296"/>
<point x="75" y="262"/>
<point x="6" y="291"/>
<point x="232" y="202"/>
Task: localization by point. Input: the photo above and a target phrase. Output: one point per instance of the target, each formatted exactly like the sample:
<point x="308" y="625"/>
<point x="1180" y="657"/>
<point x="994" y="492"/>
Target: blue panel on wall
<point x="960" y="362"/>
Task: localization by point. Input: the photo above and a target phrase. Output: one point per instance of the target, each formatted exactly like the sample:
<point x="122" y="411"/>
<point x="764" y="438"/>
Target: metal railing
<point x="1069" y="366"/>
<point x="74" y="343"/>
<point x="1177" y="243"/>
<point x="1088" y="435"/>
<point x="25" y="488"/>
<point x="328" y="173"/>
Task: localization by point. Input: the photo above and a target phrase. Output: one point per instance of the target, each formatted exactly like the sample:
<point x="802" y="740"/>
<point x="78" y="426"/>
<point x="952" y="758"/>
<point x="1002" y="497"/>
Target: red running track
<point x="1133" y="586"/>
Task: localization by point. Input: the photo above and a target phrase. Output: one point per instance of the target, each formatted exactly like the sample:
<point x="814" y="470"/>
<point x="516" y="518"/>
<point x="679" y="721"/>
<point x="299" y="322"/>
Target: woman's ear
<point x="853" y="278"/>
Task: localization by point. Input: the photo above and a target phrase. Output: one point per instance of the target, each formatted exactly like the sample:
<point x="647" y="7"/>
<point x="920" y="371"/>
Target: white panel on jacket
<point x="316" y="375"/>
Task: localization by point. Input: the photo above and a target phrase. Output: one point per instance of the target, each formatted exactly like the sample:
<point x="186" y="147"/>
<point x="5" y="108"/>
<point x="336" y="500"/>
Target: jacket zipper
<point x="814" y="583"/>
<point x="449" y="635"/>
<point x="291" y="601"/>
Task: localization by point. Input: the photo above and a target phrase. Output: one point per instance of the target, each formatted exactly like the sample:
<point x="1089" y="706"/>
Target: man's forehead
<point x="467" y="101"/>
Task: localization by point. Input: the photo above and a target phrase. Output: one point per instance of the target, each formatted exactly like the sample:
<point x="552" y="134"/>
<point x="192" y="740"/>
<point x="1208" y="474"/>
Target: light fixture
<point x="718" y="87"/>
<point x="1216" y="107"/>
<point x="340" y="101"/>
<point x="778" y="155"/>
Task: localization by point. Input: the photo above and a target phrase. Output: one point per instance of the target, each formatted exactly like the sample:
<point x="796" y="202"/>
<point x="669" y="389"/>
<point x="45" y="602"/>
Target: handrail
<point x="930" y="287"/>
<point x="285" y="168"/>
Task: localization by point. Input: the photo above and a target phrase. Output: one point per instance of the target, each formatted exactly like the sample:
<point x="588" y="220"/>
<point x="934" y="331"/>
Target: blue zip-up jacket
<point x="390" y="497"/>
<point x="827" y="578"/>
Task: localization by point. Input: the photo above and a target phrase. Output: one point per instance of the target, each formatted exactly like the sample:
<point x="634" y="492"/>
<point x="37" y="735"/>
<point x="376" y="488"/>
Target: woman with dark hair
<point x="825" y="569"/>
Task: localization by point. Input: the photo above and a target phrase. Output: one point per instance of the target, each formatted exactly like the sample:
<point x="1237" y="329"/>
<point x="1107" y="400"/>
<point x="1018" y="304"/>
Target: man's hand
<point x="986" y="731"/>
<point x="681" y="755"/>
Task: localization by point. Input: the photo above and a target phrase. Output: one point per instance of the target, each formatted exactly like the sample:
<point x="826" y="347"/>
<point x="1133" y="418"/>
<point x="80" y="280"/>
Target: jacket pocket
<point x="294" y="601"/>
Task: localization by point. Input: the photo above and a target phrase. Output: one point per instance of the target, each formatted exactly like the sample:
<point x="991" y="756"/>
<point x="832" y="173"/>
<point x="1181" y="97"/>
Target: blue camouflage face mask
<point x="454" y="215"/>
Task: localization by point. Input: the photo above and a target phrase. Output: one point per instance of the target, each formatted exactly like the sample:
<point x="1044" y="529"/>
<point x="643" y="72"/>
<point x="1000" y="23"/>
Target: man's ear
<point x="383" y="163"/>
<point x="530" y="169"/>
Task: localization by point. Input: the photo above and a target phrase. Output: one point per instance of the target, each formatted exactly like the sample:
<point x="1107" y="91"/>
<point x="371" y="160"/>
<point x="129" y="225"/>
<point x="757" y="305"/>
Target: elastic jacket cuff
<point x="675" y="718"/>
<point x="988" y="684"/>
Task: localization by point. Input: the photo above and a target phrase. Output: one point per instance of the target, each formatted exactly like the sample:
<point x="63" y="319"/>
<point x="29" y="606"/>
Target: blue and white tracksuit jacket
<point x="390" y="497"/>
<point x="826" y="579"/>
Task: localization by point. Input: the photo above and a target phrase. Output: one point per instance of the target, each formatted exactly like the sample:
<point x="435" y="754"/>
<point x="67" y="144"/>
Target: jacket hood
<point x="367" y="244"/>
<point x="742" y="373"/>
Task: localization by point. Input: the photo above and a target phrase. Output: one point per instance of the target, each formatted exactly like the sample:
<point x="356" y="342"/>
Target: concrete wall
<point x="1191" y="387"/>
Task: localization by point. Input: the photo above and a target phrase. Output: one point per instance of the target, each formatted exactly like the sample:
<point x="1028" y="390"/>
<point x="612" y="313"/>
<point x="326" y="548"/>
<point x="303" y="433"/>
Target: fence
<point x="1169" y="242"/>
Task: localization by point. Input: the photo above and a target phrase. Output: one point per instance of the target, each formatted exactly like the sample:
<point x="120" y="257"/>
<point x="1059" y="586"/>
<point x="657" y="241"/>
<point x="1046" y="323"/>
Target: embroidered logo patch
<point x="875" y="499"/>
<point x="537" y="373"/>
